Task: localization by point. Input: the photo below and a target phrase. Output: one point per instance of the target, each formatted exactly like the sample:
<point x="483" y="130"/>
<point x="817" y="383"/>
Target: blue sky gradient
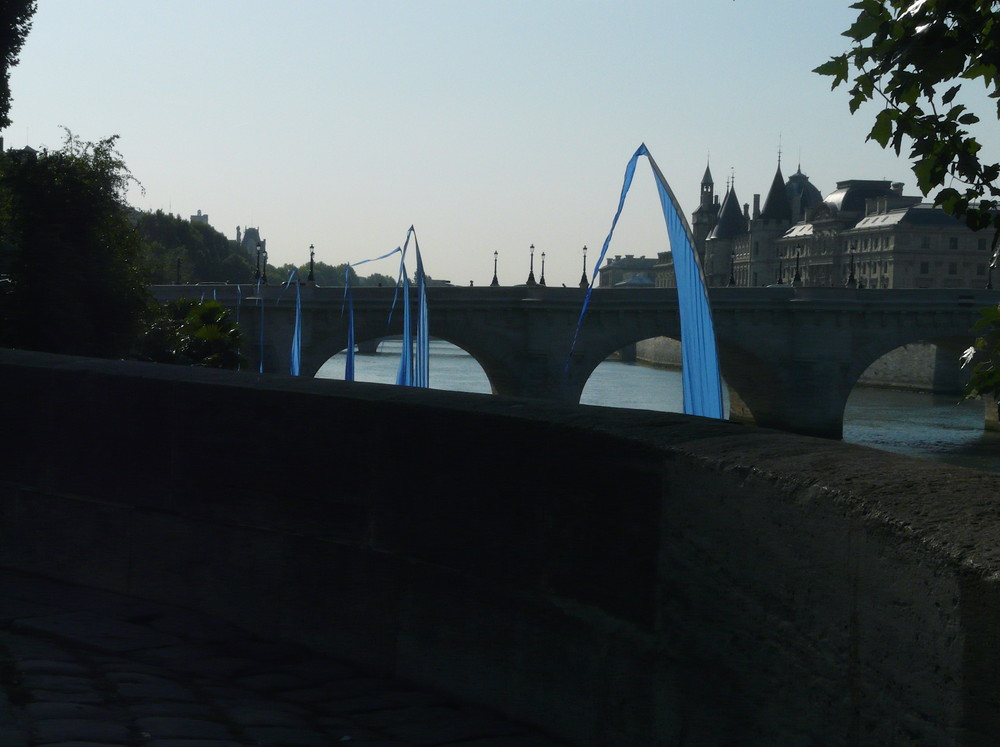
<point x="489" y="126"/>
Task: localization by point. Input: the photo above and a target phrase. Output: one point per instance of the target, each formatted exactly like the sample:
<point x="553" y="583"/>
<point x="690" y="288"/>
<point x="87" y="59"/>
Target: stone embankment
<point x="610" y="577"/>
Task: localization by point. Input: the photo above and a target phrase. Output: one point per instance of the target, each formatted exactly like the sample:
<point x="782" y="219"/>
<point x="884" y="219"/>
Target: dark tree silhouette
<point x="15" y="22"/>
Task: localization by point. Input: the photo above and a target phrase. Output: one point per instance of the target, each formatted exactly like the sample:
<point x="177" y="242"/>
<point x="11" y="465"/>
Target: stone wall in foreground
<point x="616" y="577"/>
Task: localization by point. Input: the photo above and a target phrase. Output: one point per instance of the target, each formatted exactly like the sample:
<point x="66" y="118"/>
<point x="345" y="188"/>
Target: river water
<point x="924" y="425"/>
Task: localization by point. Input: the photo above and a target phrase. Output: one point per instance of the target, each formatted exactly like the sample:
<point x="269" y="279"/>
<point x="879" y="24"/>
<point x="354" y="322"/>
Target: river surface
<point x="915" y="423"/>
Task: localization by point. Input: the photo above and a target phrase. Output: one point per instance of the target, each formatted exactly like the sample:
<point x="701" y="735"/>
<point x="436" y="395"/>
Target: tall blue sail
<point x="296" y="357"/>
<point x="421" y="363"/>
<point x="404" y="375"/>
<point x="349" y="303"/>
<point x="699" y="355"/>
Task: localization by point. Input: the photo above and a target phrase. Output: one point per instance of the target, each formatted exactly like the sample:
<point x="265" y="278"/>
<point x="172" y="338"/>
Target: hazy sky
<point x="489" y="126"/>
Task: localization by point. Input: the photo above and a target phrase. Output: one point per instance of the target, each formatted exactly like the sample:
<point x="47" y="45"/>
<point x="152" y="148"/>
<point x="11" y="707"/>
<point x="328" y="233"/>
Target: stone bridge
<point x="790" y="356"/>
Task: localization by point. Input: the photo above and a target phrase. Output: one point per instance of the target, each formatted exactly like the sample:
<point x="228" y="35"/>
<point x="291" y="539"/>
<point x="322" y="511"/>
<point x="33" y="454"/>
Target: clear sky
<point x="489" y="126"/>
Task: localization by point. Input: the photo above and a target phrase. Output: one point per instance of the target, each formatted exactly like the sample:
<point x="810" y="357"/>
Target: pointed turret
<point x="732" y="222"/>
<point x="777" y="205"/>
<point x="707" y="189"/>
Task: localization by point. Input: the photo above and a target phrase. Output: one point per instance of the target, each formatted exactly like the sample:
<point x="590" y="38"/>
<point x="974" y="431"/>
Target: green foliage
<point x="914" y="59"/>
<point x="68" y="251"/>
<point x="205" y="254"/>
<point x="191" y="333"/>
<point x="15" y="23"/>
<point x="984" y="357"/>
<point x="326" y="275"/>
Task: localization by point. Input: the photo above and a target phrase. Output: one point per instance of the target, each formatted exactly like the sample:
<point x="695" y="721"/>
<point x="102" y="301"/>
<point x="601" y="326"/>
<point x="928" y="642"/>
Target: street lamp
<point x="312" y="254"/>
<point x="797" y="279"/>
<point x="584" y="283"/>
<point x="256" y="274"/>
<point x="989" y="276"/>
<point x="541" y="280"/>
<point x="495" y="282"/>
<point x="263" y="272"/>
<point x="851" y="281"/>
<point x="732" y="263"/>
<point x="531" y="270"/>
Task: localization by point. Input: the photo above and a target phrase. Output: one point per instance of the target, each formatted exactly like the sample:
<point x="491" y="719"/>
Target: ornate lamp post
<point x="851" y="280"/>
<point x="256" y="274"/>
<point x="312" y="264"/>
<point x="495" y="282"/>
<point x="541" y="280"/>
<point x="732" y="264"/>
<point x="584" y="283"/>
<point x="797" y="279"/>
<point x="531" y="270"/>
<point x="263" y="272"/>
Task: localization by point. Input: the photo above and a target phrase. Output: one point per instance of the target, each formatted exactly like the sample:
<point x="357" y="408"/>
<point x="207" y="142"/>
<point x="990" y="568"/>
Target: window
<point x="953" y="242"/>
<point x="981" y="245"/>
<point x="925" y="242"/>
<point x="953" y="268"/>
<point x="925" y="268"/>
<point x="980" y="269"/>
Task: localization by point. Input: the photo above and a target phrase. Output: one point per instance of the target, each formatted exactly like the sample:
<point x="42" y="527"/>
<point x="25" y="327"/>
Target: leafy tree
<point x="914" y="58"/>
<point x="205" y="254"/>
<point x="984" y="357"/>
<point x="191" y="333"/>
<point x="68" y="251"/>
<point x="15" y="22"/>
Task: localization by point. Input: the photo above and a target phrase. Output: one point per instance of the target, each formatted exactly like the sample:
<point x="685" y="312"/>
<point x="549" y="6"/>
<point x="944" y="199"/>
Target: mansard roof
<point x="777" y="206"/>
<point x="851" y="194"/>
<point x="732" y="222"/>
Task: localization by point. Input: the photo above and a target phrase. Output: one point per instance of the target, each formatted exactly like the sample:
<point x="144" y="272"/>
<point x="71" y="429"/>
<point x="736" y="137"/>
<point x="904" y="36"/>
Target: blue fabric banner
<point x="404" y="375"/>
<point x="297" y="333"/>
<point x="349" y="303"/>
<point x="699" y="355"/>
<point x="413" y="370"/>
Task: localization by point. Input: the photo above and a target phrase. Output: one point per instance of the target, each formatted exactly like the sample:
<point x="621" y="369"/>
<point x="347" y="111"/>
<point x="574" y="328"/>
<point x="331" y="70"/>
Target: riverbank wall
<point x="615" y="577"/>
<point x="919" y="367"/>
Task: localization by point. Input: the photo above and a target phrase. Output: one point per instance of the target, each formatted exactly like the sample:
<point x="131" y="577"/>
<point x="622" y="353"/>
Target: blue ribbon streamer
<point x="699" y="355"/>
<point x="349" y="304"/>
<point x="296" y="360"/>
<point x="412" y="370"/>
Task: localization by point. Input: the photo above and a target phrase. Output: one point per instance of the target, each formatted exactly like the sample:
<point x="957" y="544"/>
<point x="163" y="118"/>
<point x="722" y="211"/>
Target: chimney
<point x="756" y="206"/>
<point x="897" y="188"/>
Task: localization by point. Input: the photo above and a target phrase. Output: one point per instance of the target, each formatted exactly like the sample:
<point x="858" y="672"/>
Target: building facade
<point x="628" y="271"/>
<point x="864" y="234"/>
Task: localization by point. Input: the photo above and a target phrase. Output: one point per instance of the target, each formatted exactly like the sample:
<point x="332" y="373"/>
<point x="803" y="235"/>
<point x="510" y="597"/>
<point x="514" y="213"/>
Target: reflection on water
<point x="914" y="423"/>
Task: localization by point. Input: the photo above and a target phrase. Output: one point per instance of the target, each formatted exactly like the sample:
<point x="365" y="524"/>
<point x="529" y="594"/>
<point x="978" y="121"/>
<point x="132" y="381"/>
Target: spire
<point x="732" y="222"/>
<point x="707" y="190"/>
<point x="777" y="206"/>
